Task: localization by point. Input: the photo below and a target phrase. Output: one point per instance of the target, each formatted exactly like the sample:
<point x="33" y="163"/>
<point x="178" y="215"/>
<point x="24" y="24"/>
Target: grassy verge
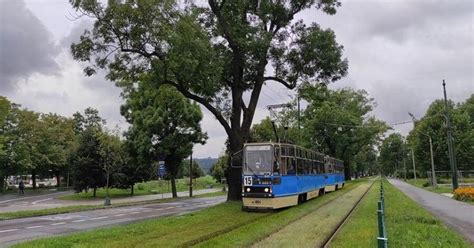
<point x="78" y="208"/>
<point x="222" y="225"/>
<point x="165" y="232"/>
<point x="424" y="183"/>
<point x="408" y="225"/>
<point x="146" y="188"/>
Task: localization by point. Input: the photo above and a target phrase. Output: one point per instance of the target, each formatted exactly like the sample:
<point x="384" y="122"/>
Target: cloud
<point x="26" y="46"/>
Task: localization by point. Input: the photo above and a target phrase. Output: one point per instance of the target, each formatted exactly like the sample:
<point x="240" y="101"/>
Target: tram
<point x="278" y="175"/>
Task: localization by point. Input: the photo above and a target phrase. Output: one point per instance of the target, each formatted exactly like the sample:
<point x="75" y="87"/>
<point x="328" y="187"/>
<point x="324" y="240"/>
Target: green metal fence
<point x="382" y="238"/>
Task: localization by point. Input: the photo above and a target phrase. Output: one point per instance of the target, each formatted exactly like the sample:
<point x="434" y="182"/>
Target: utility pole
<point x="404" y="168"/>
<point x="191" y="175"/>
<point x="413" y="158"/>
<point x="433" y="175"/>
<point x="452" y="158"/>
<point x="299" y="117"/>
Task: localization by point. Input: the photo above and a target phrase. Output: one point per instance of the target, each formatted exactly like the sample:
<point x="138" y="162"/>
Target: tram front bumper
<point x="269" y="203"/>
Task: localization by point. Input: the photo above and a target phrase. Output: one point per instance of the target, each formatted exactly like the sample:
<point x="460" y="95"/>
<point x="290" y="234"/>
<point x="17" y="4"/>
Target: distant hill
<point x="206" y="163"/>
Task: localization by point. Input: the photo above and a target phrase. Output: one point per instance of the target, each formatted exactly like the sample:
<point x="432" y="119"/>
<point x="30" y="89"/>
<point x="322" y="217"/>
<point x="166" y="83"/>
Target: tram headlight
<point x="266" y="190"/>
<point x="248" y="189"/>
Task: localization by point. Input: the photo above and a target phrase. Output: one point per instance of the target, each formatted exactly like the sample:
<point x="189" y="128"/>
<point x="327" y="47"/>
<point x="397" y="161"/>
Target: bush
<point x="426" y="184"/>
<point x="464" y="194"/>
<point x="140" y="187"/>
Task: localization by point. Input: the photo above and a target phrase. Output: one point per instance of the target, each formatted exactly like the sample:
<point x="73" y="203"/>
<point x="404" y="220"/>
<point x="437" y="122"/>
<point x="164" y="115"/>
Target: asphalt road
<point x="458" y="215"/>
<point x="17" y="230"/>
<point x="45" y="200"/>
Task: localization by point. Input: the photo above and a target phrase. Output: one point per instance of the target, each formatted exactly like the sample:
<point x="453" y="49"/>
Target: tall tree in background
<point x="392" y="152"/>
<point x="164" y="124"/>
<point x="6" y="116"/>
<point x="433" y="124"/>
<point x="211" y="54"/>
<point x="87" y="159"/>
<point x="337" y="122"/>
<point x="57" y="142"/>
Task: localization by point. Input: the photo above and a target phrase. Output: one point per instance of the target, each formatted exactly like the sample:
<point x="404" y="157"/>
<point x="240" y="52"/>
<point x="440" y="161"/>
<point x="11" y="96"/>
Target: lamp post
<point x="452" y="158"/>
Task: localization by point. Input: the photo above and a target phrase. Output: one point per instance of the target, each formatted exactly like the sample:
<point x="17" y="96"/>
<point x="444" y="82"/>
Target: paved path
<point x="456" y="214"/>
<point x="17" y="230"/>
<point x="14" y="203"/>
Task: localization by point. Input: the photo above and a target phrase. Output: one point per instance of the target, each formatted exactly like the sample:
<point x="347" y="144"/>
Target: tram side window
<point x="299" y="166"/>
<point x="291" y="167"/>
<point x="283" y="165"/>
<point x="276" y="162"/>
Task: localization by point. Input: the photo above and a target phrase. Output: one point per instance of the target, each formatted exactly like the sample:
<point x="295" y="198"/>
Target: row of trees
<point x="164" y="126"/>
<point x="395" y="148"/>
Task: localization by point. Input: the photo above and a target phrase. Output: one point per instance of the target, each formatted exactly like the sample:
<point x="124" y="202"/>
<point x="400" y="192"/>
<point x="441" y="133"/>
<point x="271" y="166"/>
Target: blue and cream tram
<point x="277" y="175"/>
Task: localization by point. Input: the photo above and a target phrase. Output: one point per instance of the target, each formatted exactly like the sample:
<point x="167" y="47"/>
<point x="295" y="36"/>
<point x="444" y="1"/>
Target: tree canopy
<point x="164" y="125"/>
<point x="212" y="54"/>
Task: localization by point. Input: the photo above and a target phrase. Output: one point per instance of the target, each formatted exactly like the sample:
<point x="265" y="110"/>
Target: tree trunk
<point x="234" y="172"/>
<point x="347" y="170"/>
<point x="173" y="187"/>
<point x="33" y="178"/>
<point x="95" y="190"/>
<point x="131" y="192"/>
<point x="2" y="183"/>
<point x="58" y="179"/>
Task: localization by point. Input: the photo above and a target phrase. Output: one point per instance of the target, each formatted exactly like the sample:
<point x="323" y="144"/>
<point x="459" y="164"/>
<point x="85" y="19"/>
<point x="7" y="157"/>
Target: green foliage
<point x="219" y="168"/>
<point x="392" y="152"/>
<point x="211" y="54"/>
<point x="165" y="125"/>
<point x="337" y="122"/>
<point x="433" y="124"/>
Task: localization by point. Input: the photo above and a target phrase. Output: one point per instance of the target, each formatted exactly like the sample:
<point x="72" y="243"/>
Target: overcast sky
<point x="399" y="51"/>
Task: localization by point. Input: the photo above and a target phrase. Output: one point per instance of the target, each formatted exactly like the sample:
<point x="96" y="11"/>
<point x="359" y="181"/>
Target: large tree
<point x="433" y="124"/>
<point x="212" y="54"/>
<point x="393" y="151"/>
<point x="164" y="125"/>
<point x="338" y="123"/>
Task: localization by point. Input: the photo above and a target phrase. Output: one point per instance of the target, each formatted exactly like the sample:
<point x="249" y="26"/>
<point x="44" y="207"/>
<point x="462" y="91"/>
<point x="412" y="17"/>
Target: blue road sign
<point x="161" y="169"/>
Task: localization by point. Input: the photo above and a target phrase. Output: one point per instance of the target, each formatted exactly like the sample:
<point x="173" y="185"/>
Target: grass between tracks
<point x="407" y="223"/>
<point x="222" y="225"/>
<point x="147" y="188"/>
<point x="78" y="208"/>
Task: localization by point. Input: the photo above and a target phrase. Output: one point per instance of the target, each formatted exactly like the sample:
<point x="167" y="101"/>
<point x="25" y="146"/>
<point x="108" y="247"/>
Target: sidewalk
<point x="35" y="203"/>
<point x="458" y="215"/>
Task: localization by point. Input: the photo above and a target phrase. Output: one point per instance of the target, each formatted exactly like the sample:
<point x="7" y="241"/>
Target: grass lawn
<point x="78" y="208"/>
<point x="222" y="225"/>
<point x="420" y="181"/>
<point x="146" y="188"/>
<point x="408" y="225"/>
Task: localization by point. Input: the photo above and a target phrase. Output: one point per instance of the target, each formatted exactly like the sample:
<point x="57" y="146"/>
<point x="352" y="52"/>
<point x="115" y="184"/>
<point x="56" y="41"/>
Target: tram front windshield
<point x="258" y="160"/>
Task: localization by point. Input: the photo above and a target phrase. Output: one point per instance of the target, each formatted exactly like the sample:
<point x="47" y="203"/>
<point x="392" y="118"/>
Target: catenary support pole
<point x="414" y="167"/>
<point x="452" y="157"/>
<point x="191" y="175"/>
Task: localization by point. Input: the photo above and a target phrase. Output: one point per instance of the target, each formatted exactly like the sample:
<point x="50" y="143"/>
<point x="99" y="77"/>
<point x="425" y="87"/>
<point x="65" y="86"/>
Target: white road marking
<point x="59" y="223"/>
<point x="8" y="230"/>
<point x="76" y="221"/>
<point x="169" y="208"/>
<point x="33" y="227"/>
<point x="118" y="215"/>
<point x="134" y="212"/>
<point x="36" y="196"/>
<point x="38" y="201"/>
<point x="146" y="211"/>
<point x="99" y="218"/>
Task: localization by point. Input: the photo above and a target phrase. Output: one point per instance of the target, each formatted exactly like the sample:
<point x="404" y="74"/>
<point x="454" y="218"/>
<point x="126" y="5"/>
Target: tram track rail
<point x="336" y="230"/>
<point x="234" y="227"/>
